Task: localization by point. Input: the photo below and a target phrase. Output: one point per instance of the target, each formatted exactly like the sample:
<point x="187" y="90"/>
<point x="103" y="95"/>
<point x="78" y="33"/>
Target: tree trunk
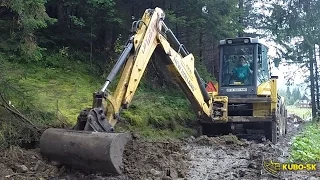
<point x="316" y="77"/>
<point x="200" y="44"/>
<point x="312" y="85"/>
<point x="61" y="13"/>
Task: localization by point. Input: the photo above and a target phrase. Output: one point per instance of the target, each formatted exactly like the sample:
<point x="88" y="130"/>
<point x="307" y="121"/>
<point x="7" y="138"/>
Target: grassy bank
<point x="59" y="91"/>
<point x="306" y="146"/>
<point x="157" y="114"/>
<point x="62" y="91"/>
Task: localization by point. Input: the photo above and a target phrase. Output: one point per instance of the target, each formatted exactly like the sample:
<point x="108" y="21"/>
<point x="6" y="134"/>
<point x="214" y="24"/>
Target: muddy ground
<point x="230" y="158"/>
<point x="202" y="158"/>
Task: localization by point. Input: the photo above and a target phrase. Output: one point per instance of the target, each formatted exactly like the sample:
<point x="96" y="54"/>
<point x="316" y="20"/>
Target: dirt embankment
<point x="224" y="157"/>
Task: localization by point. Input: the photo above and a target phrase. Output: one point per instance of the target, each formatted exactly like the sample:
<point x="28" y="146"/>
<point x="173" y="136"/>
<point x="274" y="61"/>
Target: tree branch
<point x="16" y="113"/>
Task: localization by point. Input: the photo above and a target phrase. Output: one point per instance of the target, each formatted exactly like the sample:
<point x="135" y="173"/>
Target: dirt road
<point x="202" y="158"/>
<point x="229" y="158"/>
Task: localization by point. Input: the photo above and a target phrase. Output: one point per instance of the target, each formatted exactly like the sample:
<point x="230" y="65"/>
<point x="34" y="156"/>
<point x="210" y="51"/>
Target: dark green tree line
<point x="92" y="29"/>
<point x="293" y="25"/>
<point x="292" y="96"/>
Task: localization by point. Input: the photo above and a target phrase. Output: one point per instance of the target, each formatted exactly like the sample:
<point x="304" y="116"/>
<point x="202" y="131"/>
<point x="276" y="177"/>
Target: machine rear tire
<point x="272" y="132"/>
<point x="278" y="127"/>
<point x="275" y="129"/>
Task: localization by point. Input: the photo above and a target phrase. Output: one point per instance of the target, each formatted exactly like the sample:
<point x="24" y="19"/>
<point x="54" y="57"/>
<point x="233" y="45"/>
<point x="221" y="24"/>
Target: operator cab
<point x="243" y="66"/>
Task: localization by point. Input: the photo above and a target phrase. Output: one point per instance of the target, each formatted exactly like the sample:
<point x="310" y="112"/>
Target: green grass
<point x="306" y="146"/>
<point x="57" y="90"/>
<point x="304" y="113"/>
<point x="66" y="88"/>
<point x="160" y="115"/>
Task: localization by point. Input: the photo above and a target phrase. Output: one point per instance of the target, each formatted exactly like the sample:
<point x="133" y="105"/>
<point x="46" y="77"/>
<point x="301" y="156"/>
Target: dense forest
<point x="94" y="30"/>
<point x="54" y="54"/>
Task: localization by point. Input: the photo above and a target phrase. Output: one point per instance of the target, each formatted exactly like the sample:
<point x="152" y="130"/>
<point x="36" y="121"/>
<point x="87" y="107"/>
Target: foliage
<point x="306" y="147"/>
<point x="29" y="16"/>
<point x="294" y="26"/>
<point x="23" y="125"/>
<point x="59" y="93"/>
<point x="290" y="24"/>
<point x="168" y="113"/>
<point x="199" y="22"/>
<point x="94" y="26"/>
<point x="202" y="70"/>
<point x="62" y="91"/>
<point x="46" y="96"/>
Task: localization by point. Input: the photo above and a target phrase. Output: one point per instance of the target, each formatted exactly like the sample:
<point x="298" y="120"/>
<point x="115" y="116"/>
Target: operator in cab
<point x="242" y="71"/>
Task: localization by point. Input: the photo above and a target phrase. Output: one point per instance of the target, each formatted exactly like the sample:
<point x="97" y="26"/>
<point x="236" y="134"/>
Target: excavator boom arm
<point x="152" y="34"/>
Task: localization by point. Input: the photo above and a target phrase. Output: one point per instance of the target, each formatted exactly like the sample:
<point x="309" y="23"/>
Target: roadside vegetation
<point x="306" y="146"/>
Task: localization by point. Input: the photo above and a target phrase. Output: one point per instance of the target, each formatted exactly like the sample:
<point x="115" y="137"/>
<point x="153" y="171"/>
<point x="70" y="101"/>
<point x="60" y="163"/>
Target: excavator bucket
<point x="86" y="150"/>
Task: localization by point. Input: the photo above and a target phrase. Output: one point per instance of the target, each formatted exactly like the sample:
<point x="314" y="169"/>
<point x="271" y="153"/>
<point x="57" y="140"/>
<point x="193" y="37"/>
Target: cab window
<point x="237" y="65"/>
<point x="263" y="66"/>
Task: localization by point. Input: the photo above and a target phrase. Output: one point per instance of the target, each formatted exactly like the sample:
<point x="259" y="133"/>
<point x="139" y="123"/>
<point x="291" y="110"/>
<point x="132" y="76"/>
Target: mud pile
<point x="292" y="118"/>
<point x="216" y="141"/>
<point x="18" y="163"/>
<point x="142" y="160"/>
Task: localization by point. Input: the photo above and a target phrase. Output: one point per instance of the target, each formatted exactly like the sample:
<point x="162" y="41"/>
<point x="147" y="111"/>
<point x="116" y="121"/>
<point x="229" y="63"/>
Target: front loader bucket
<point x="86" y="150"/>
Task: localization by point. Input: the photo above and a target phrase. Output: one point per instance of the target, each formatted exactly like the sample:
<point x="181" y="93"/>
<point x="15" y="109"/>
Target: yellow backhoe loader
<point x="254" y="107"/>
<point x="252" y="103"/>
